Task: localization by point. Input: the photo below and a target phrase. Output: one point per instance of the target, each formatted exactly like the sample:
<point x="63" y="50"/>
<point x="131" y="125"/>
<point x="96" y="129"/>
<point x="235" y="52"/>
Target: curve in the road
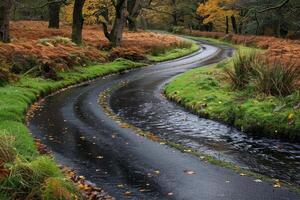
<point x="82" y="136"/>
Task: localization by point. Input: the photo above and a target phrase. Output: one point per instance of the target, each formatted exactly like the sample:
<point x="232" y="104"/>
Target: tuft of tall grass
<point x="271" y="78"/>
<point x="58" y="188"/>
<point x="36" y="179"/>
<point x="243" y="64"/>
<point x="276" y="79"/>
<point x="7" y="152"/>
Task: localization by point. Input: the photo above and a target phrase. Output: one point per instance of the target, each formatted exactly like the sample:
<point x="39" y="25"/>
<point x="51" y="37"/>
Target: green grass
<point x="205" y="92"/>
<point x="15" y="98"/>
<point x="173" y="53"/>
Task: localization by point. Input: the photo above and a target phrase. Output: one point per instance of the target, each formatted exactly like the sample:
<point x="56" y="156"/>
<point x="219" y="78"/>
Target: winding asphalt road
<point x="128" y="166"/>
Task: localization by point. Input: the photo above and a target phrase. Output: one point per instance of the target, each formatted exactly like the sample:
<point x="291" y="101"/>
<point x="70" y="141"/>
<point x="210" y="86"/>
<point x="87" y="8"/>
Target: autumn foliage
<point x="215" y="12"/>
<point x="33" y="44"/>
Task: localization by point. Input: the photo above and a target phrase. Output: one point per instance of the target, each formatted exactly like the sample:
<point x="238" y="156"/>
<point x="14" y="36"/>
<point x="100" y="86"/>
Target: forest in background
<point x="275" y="22"/>
<point x="257" y="17"/>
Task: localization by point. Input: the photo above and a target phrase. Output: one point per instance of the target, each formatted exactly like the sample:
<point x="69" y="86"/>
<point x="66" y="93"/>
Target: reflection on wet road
<point x="81" y="135"/>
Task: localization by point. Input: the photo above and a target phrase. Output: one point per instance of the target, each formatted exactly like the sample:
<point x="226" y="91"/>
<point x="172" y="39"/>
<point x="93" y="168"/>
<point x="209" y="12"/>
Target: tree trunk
<point x="118" y="28"/>
<point x="227" y="25"/>
<point x="116" y="34"/>
<point x="257" y="24"/>
<point x="134" y="8"/>
<point x="144" y="23"/>
<point x="234" y="25"/>
<point x="175" y="19"/>
<point x="132" y="25"/>
<point x="54" y="11"/>
<point x="77" y="21"/>
<point x="5" y="6"/>
<point x="240" y="28"/>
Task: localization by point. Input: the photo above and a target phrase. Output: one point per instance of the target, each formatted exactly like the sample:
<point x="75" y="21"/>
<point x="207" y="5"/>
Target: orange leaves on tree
<point x="216" y="11"/>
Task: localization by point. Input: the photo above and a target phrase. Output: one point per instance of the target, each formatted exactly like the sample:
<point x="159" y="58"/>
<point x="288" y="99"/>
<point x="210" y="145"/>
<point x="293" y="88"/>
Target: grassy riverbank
<point x="173" y="53"/>
<point x="24" y="171"/>
<point x="206" y="92"/>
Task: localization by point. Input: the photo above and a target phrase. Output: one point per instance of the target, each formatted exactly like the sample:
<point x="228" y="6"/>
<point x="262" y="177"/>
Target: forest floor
<point x="24" y="80"/>
<point x="33" y="44"/>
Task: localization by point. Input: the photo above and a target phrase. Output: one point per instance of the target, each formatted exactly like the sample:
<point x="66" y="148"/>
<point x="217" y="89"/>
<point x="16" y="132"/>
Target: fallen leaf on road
<point x="277" y="184"/>
<point x="189" y="172"/>
<point x="144" y="190"/>
<point x="127" y="193"/>
<point x="242" y="174"/>
<point x="125" y="126"/>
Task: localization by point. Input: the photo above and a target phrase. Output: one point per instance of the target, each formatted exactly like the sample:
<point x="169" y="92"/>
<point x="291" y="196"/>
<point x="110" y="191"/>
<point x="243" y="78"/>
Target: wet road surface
<point x="128" y="166"/>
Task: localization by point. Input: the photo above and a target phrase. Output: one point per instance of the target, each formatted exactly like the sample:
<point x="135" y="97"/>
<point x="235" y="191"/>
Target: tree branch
<point x="274" y="7"/>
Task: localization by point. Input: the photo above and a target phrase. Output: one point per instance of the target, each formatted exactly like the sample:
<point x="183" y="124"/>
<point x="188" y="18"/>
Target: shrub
<point x="7" y="152"/>
<point x="183" y="44"/>
<point x="21" y="63"/>
<point x="58" y="189"/>
<point x="158" y="49"/>
<point x="130" y="53"/>
<point x="162" y="48"/>
<point x="26" y="178"/>
<point x="55" y="41"/>
<point x="177" y="29"/>
<point x="276" y="78"/>
<point x="242" y="71"/>
<point x="4" y="76"/>
<point x="271" y="78"/>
